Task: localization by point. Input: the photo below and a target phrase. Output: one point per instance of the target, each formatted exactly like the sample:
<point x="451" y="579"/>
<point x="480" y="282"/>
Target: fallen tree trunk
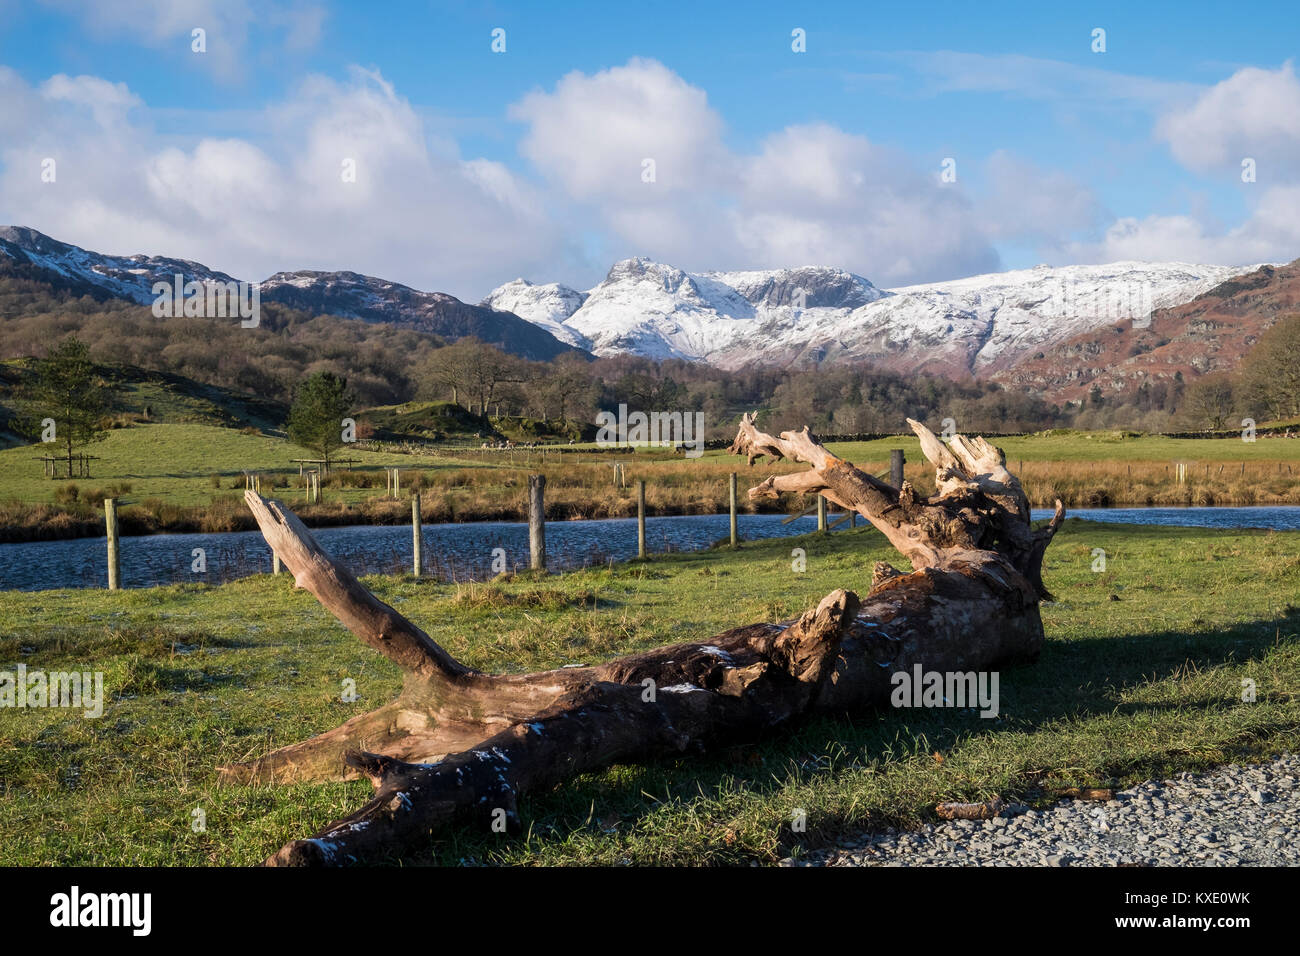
<point x="460" y="745"/>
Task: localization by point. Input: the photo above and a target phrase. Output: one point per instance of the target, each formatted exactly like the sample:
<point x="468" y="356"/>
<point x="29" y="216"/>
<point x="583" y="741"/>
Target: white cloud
<point x="1270" y="234"/>
<point x="271" y="197"/>
<point x="107" y="102"/>
<point x="818" y="195"/>
<point x="217" y="174"/>
<point x="593" y="133"/>
<point x="811" y="195"/>
<point x="1173" y="238"/>
<point x="19" y="106"/>
<point x="1023" y="201"/>
<point x="250" y="208"/>
<point x="1254" y="113"/>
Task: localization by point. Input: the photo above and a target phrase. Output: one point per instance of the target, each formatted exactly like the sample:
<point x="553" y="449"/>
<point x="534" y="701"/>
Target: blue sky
<point x="476" y="166"/>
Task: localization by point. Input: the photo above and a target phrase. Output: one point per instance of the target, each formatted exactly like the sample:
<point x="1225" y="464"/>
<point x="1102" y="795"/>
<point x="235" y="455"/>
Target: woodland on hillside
<point x="385" y="365"/>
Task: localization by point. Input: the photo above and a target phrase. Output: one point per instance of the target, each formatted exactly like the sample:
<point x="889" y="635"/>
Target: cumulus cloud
<point x="274" y="196"/>
<point x="248" y="208"/>
<point x="19" y="109"/>
<point x="419" y="213"/>
<point x="817" y="195"/>
<point x="1023" y="201"/>
<point x="1271" y="233"/>
<point x="593" y="134"/>
<point x="107" y="102"/>
<point x="1254" y="113"/>
<point x="811" y="194"/>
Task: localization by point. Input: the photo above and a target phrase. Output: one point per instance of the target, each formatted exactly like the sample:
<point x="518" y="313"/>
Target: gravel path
<point x="1234" y="816"/>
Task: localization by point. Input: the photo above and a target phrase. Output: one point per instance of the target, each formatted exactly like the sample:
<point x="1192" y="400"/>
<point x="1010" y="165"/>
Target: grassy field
<point x="189" y="477"/>
<point x="185" y="477"/>
<point x="1074" y="446"/>
<point x="1141" y="676"/>
<point x="175" y="462"/>
<point x="144" y="395"/>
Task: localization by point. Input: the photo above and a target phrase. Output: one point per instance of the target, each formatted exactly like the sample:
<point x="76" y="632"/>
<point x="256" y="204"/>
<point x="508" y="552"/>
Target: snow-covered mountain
<point x="26" y="253"/>
<point x="976" y="325"/>
<point x="982" y="325"/>
<point x="356" y="296"/>
<point x="92" y="273"/>
<point x="1210" y="333"/>
<point x="546" y="306"/>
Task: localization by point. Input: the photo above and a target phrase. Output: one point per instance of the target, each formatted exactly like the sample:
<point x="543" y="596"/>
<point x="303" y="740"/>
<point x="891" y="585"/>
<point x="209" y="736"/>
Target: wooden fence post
<point x="640" y="518"/>
<point x="821" y="512"/>
<point x="415" y="532"/>
<point x="110" y="525"/>
<point x="896" y="462"/>
<point x="735" y="538"/>
<point x="276" y="566"/>
<point x="537" y="522"/>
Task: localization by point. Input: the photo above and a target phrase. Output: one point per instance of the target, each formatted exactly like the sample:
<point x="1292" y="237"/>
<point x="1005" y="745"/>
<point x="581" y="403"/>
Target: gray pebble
<point x="1235" y="816"/>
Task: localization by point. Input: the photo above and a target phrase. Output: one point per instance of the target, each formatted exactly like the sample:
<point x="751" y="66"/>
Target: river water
<point x="468" y="551"/>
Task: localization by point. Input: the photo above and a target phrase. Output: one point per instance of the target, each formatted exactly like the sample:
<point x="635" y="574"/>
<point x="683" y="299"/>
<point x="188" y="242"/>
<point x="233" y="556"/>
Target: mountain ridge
<point x="1207" y="334"/>
<point x="1051" y="330"/>
<point x="975" y="326"/>
<point x="28" y="253"/>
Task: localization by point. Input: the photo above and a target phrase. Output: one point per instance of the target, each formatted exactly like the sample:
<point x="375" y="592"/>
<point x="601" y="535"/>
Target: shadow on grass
<point x="1073" y="680"/>
<point x="75" y="647"/>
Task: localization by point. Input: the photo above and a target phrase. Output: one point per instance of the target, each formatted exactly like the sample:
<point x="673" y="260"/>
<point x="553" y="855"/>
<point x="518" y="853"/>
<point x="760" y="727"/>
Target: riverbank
<point x="190" y="478"/>
<point x="1141" y="678"/>
<point x="445" y="500"/>
<point x="479" y="551"/>
<point x="226" y="514"/>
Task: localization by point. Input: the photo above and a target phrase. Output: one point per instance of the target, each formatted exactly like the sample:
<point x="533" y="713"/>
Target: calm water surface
<point x="465" y="551"/>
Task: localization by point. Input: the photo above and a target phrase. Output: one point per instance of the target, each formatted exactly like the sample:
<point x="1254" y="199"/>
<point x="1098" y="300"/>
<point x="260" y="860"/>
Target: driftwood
<point x="458" y="745"/>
